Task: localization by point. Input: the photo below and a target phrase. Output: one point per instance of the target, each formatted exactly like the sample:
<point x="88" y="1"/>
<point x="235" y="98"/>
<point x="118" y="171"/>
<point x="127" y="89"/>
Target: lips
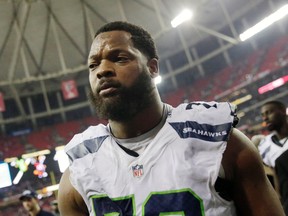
<point x="107" y="88"/>
<point x="269" y="126"/>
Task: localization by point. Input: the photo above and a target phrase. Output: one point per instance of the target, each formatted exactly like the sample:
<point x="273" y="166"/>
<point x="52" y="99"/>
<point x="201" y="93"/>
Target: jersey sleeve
<point x="209" y="121"/>
<point x="87" y="142"/>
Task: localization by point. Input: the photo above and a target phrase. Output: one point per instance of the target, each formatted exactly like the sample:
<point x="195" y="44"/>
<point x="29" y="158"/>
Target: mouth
<point x="107" y="89"/>
<point x="268" y="125"/>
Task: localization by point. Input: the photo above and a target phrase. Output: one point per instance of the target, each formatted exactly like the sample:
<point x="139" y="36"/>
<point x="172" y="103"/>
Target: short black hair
<point x="141" y="38"/>
<point x="278" y="104"/>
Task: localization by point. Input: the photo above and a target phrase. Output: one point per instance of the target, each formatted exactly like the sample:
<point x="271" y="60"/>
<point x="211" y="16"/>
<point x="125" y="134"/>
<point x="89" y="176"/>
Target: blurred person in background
<point x="273" y="147"/>
<point x="54" y="206"/>
<point x="152" y="158"/>
<point x="256" y="139"/>
<point x="30" y="203"/>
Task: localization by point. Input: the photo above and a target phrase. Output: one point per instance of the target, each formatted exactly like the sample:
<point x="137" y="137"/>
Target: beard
<point x="271" y="127"/>
<point x="277" y="123"/>
<point x="128" y="101"/>
<point x="275" y="126"/>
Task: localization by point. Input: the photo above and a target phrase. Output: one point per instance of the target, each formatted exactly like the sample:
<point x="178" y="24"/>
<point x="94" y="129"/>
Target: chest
<point x="168" y="163"/>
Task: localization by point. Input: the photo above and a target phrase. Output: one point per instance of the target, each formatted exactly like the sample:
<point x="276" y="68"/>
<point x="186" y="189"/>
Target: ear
<point x="283" y="112"/>
<point x="153" y="66"/>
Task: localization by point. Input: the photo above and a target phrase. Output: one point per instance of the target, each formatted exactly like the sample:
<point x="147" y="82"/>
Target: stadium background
<point x="43" y="50"/>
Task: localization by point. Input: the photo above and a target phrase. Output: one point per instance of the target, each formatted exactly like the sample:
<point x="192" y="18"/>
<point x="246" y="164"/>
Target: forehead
<point x="268" y="107"/>
<point x="110" y="40"/>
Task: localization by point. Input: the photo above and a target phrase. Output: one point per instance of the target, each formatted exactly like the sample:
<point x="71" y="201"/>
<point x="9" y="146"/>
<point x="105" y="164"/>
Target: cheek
<point x="92" y="80"/>
<point x="274" y="118"/>
<point x="129" y="75"/>
<point x="25" y="204"/>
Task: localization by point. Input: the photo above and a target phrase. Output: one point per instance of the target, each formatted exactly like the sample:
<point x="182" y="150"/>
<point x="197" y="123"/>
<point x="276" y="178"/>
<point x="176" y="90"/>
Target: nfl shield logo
<point x="137" y="170"/>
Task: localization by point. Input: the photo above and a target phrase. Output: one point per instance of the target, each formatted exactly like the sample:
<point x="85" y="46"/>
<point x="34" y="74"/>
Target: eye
<point x="122" y="59"/>
<point x="93" y="65"/>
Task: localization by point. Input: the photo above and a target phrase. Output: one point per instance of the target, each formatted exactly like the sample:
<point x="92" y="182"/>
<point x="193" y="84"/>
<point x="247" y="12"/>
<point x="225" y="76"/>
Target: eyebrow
<point x="95" y="56"/>
<point x="111" y="52"/>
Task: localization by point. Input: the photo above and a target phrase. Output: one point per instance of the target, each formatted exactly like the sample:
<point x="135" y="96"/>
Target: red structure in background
<point x="2" y="104"/>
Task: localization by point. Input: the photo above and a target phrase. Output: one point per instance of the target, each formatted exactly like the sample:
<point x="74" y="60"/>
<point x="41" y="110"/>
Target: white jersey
<point x="270" y="149"/>
<point x="174" y="175"/>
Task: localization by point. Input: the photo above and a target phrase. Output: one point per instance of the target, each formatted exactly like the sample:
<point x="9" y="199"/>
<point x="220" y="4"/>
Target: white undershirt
<point x="140" y="143"/>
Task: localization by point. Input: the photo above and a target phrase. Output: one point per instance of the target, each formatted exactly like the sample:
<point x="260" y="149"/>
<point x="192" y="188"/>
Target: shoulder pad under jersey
<point x="89" y="141"/>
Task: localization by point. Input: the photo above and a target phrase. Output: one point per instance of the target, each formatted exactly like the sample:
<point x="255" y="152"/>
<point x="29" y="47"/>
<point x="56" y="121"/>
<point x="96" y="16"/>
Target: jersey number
<point x="178" y="202"/>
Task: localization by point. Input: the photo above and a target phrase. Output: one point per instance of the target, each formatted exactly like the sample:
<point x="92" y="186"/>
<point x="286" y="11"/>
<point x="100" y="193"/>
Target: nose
<point x="105" y="69"/>
<point x="264" y="117"/>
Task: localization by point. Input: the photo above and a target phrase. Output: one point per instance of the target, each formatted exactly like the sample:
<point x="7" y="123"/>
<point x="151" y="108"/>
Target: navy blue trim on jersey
<point x="206" y="105"/>
<point x="86" y="147"/>
<point x="192" y="129"/>
<point x="263" y="155"/>
<point x="94" y="144"/>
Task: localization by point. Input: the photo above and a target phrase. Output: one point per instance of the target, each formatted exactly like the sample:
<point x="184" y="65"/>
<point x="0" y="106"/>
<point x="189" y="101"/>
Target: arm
<point x="69" y="200"/>
<point x="252" y="192"/>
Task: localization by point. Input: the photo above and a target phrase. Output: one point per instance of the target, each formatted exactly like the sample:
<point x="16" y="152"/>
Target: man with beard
<point x="273" y="148"/>
<point x="152" y="158"/>
<point x="30" y="203"/>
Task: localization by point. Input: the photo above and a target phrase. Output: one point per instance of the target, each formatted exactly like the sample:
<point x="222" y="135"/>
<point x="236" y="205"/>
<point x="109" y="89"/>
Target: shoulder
<point x="90" y="133"/>
<point x="206" y="105"/>
<point x="265" y="141"/>
<point x="268" y="138"/>
<point x="211" y="113"/>
<point x="88" y="141"/>
<point x="210" y="121"/>
<point x="206" y="111"/>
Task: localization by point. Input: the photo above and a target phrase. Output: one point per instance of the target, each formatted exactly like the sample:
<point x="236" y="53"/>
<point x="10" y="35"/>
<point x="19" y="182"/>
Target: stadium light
<point x="22" y="168"/>
<point x="9" y="160"/>
<point x="185" y="15"/>
<point x="267" y="21"/>
<point x="242" y="99"/>
<point x="157" y="80"/>
<point x="240" y="115"/>
<point x="51" y="188"/>
<point x="36" y="154"/>
<point x="62" y="158"/>
<point x="18" y="177"/>
<point x="273" y="85"/>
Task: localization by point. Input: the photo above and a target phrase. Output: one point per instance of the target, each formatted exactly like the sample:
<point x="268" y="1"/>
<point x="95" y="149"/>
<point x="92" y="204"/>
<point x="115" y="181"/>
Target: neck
<point x="283" y="132"/>
<point x="144" y="121"/>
